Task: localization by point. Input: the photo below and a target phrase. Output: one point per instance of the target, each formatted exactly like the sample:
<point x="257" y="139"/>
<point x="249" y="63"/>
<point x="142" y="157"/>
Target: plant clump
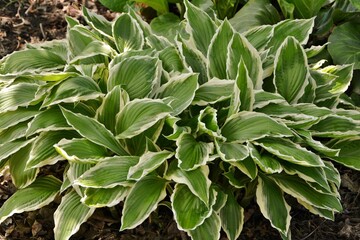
<point x="201" y="121"/>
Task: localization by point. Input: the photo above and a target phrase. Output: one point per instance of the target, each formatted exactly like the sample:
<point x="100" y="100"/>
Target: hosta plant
<point x="201" y="121"/>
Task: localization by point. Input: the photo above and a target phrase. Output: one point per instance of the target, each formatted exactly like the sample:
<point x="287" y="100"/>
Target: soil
<point x="32" y="21"/>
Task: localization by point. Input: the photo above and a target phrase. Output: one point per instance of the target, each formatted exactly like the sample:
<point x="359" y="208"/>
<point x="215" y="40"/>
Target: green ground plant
<point x="201" y="118"/>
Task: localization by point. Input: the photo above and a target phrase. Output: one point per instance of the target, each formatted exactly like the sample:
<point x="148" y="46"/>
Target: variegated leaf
<point x="298" y="188"/>
<point x="113" y="102"/>
<point x="40" y="193"/>
<point x="200" y="26"/>
<point x="80" y="150"/>
<point x="51" y="119"/>
<point x="17" y="95"/>
<point x="127" y="33"/>
<point x="43" y="152"/>
<point x="70" y="214"/>
<point x="73" y="90"/>
<point x="240" y="48"/>
<point x="196" y="180"/>
<point x="266" y="162"/>
<point x="189" y="210"/>
<point x="218" y="51"/>
<point x="232" y="217"/>
<point x="145" y="195"/>
<point x="137" y="75"/>
<point x="179" y="91"/>
<point x="298" y="28"/>
<point x="22" y="177"/>
<point x="148" y="162"/>
<point x="104" y="197"/>
<point x="272" y="204"/>
<point x="191" y="153"/>
<point x="30" y="60"/>
<point x="213" y="91"/>
<point x="108" y="173"/>
<point x="93" y="131"/>
<point x="12" y="118"/>
<point x="289" y="151"/>
<point x="139" y="115"/>
<point x="209" y="229"/>
<point x="291" y="71"/>
<point x="9" y="148"/>
<point x="247" y="126"/>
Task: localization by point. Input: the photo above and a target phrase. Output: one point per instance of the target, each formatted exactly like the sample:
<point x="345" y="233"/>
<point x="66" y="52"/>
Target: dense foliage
<point x="201" y="117"/>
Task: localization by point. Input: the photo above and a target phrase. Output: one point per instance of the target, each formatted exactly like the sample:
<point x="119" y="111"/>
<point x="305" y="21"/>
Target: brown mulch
<point x="32" y="21"/>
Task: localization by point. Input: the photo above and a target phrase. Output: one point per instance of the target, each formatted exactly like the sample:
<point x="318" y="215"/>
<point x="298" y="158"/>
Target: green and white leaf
<point x="148" y="162"/>
<point x="179" y="91"/>
<point x="139" y="115"/>
<point x="290" y="70"/>
<point x="145" y="195"/>
<point x="255" y="13"/>
<point x="247" y="126"/>
<point x="300" y="29"/>
<point x="246" y="87"/>
<point x="167" y="25"/>
<point x="272" y="204"/>
<point x="189" y="210"/>
<point x="317" y="145"/>
<point x="349" y="153"/>
<point x="73" y="90"/>
<point x="200" y="26"/>
<point x="104" y="197"/>
<point x="194" y="59"/>
<point x="22" y="177"/>
<point x="259" y="36"/>
<point x="43" y="153"/>
<point x="231" y="151"/>
<point x="127" y="33"/>
<point x="40" y="193"/>
<point x="207" y="123"/>
<point x="192" y="153"/>
<point x="299" y="189"/>
<point x="17" y="95"/>
<point x="94" y="53"/>
<point x="70" y="214"/>
<point x="137" y="75"/>
<point x="74" y="171"/>
<point x="309" y="174"/>
<point x="80" y="150"/>
<point x="13" y="133"/>
<point x="93" y="131"/>
<point x="12" y="118"/>
<point x="262" y="99"/>
<point x="232" y="217"/>
<point x="108" y="173"/>
<point x="215" y="90"/>
<point x="241" y="49"/>
<point x="289" y="151"/>
<point x="113" y="102"/>
<point x="218" y="51"/>
<point x="9" y="148"/>
<point x="247" y="166"/>
<point x="196" y="180"/>
<point x="51" y="119"/>
<point x="98" y="22"/>
<point x="306" y="8"/>
<point x="336" y="127"/>
<point x="209" y="229"/>
<point x="30" y="60"/>
<point x="266" y="162"/>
